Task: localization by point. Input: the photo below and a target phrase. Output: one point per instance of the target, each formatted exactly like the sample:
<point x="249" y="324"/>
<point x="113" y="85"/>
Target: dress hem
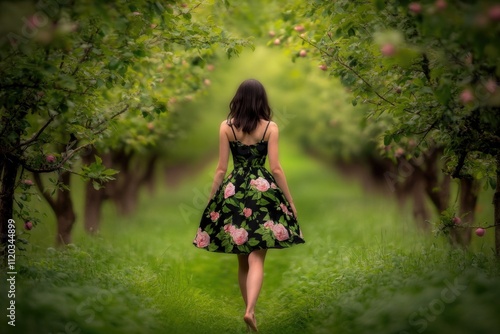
<point x="241" y="252"/>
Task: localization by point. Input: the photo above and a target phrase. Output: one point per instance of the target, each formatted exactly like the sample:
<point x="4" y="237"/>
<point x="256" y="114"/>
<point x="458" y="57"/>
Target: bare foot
<point x="250" y="321"/>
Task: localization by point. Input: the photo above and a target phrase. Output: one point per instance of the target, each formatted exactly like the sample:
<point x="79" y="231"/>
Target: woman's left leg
<point x="242" y="275"/>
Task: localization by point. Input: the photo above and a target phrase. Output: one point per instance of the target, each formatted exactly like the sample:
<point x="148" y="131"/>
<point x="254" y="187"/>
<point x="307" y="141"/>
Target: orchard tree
<point x="178" y="72"/>
<point x="431" y="66"/>
<point x="69" y="72"/>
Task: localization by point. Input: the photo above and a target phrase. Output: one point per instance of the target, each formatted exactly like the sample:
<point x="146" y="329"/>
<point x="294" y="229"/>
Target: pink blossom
<point x="214" y="216"/>
<point x="494" y="13"/>
<point x="202" y="239"/>
<point x="491" y="86"/>
<point x="466" y="96"/>
<point x="50" y="158"/>
<point x="388" y="50"/>
<point x="269" y="224"/>
<point x="229" y="228"/>
<point x="441" y="4"/>
<point x="273" y="186"/>
<point x="229" y="190"/>
<point x="260" y="184"/>
<point x="280" y="232"/>
<point x="247" y="212"/>
<point x="299" y="28"/>
<point x="240" y="236"/>
<point x="415" y="7"/>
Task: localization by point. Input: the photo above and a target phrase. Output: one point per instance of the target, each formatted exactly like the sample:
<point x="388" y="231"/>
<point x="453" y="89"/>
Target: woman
<point x="250" y="210"/>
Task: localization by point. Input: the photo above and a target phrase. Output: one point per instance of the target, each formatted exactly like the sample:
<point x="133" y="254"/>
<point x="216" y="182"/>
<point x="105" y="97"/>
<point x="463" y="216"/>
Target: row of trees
<point x="426" y="76"/>
<point x="93" y="88"/>
<point x="90" y="88"/>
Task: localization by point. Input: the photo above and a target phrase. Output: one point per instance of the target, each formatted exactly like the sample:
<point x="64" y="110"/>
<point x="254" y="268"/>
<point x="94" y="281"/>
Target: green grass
<point x="364" y="269"/>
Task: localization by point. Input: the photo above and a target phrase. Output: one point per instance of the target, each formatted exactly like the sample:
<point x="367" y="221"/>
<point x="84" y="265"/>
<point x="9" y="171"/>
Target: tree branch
<point x="339" y="60"/>
<point x="107" y="120"/>
<point x="39" y="132"/>
<point x="425" y="67"/>
<point x="46" y="195"/>
<point x="86" y="53"/>
<point x="68" y="152"/>
<point x="427" y="131"/>
<point x="190" y="10"/>
<point x="55" y="167"/>
<point x="460" y="164"/>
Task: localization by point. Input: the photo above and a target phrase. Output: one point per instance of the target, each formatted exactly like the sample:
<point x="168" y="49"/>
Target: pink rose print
<point x="269" y="224"/>
<point x="285" y="209"/>
<point x="273" y="186"/>
<point x="280" y="232"/>
<point x="229" y="228"/>
<point x="28" y="182"/>
<point x="247" y="212"/>
<point x="202" y="239"/>
<point x="240" y="236"/>
<point x="214" y="216"/>
<point x="229" y="191"/>
<point x="260" y="184"/>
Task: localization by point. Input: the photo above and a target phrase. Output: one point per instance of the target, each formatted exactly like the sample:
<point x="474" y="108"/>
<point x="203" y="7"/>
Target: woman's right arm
<point x="275" y="166"/>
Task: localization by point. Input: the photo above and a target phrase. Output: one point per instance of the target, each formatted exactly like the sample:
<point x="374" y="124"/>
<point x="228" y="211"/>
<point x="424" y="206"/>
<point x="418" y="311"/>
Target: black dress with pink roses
<point x="248" y="211"/>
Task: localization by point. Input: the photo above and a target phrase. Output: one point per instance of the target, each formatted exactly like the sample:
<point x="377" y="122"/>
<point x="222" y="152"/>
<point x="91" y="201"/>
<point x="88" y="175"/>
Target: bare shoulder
<point x="273" y="127"/>
<point x="272" y="131"/>
<point x="224" y="126"/>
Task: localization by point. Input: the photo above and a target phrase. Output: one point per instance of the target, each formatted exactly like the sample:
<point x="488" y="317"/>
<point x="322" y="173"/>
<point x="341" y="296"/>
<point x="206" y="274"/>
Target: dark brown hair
<point x="249" y="105"/>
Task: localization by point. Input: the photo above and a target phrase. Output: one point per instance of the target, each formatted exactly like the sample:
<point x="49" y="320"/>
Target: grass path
<point x="363" y="269"/>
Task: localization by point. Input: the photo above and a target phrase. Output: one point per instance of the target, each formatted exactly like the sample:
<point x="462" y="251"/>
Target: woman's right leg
<point x="254" y="280"/>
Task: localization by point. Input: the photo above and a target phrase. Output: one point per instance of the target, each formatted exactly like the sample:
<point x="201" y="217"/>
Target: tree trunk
<point x="64" y="211"/>
<point x="420" y="211"/>
<point x="496" y="204"/>
<point x="126" y="196"/>
<point x="93" y="203"/>
<point x="9" y="173"/>
<point x="437" y="190"/>
<point x="469" y="191"/>
<point x="149" y="176"/>
<point x="62" y="206"/>
<point x="95" y="198"/>
<point x="411" y="184"/>
<point x="133" y="174"/>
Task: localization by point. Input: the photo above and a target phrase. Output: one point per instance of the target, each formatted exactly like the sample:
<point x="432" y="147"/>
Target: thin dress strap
<point x="234" y="133"/>
<point x="264" y="135"/>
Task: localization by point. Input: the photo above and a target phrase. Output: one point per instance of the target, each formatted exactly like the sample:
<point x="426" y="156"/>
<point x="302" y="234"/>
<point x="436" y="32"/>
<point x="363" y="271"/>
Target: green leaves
<point x="387" y="139"/>
<point x="98" y="173"/>
<point x="420" y="72"/>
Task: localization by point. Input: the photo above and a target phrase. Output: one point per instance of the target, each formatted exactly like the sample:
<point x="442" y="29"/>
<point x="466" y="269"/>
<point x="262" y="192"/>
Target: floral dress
<point x="248" y="211"/>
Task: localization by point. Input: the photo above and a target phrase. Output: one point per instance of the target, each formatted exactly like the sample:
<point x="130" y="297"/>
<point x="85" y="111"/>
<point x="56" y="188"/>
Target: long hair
<point x="249" y="105"/>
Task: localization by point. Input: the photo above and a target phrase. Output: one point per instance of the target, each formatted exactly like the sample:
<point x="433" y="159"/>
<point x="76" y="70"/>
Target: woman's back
<point x="260" y="133"/>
